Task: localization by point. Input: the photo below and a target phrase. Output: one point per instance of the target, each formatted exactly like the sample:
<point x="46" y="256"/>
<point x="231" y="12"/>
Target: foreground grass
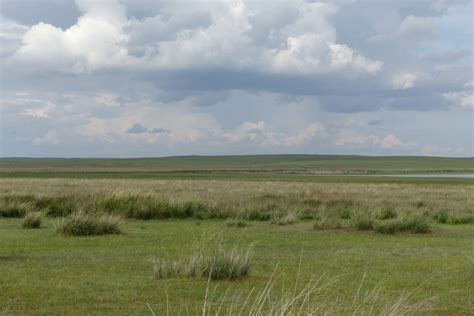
<point x="46" y="273"/>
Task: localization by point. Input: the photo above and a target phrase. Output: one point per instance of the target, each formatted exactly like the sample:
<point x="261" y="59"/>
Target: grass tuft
<point x="82" y="224"/>
<point x="32" y="220"/>
<point x="287" y="219"/>
<point x="218" y="263"/>
<point x="328" y="222"/>
<point x="226" y="264"/>
<point x="363" y="223"/>
<point x="412" y="224"/>
<point x="388" y="213"/>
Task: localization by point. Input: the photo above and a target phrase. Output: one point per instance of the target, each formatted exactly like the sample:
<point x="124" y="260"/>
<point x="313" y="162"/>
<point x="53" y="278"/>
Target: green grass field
<point x="312" y="249"/>
<point x="295" y="163"/>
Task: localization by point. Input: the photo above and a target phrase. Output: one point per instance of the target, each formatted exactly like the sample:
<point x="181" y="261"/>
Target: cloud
<point x="105" y="38"/>
<point x="139" y="129"/>
<point x="357" y="139"/>
<point x="407" y="80"/>
<point x="136" y="129"/>
<point x="95" y="41"/>
<point x="50" y="138"/>
<point x="235" y="76"/>
<point x="464" y="100"/>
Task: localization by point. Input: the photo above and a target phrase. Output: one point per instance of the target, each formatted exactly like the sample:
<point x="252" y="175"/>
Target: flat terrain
<point x="45" y="273"/>
<point x="304" y="231"/>
<point x="259" y="163"/>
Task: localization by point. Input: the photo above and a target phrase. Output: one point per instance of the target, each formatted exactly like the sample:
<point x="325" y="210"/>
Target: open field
<point x="259" y="163"/>
<point x="360" y="269"/>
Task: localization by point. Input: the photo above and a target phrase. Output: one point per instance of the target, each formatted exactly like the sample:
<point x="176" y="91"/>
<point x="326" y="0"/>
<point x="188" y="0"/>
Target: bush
<point x="82" y="224"/>
<point x="413" y="224"/>
<point x="32" y="220"/>
<point x="364" y="223"/>
<point x="388" y="213"/>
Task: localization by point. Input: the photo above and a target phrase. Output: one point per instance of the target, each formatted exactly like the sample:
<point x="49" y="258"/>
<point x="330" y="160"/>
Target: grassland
<point x="319" y="244"/>
<point x="257" y="163"/>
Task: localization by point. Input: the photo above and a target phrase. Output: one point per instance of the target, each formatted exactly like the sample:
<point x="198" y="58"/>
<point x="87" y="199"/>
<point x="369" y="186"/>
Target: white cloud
<point x="462" y="99"/>
<point x="95" y="41"/>
<point x="311" y="54"/>
<point x="469" y="85"/>
<point x="352" y="138"/>
<point x="103" y="37"/>
<point x="407" y="80"/>
<point x="50" y="138"/>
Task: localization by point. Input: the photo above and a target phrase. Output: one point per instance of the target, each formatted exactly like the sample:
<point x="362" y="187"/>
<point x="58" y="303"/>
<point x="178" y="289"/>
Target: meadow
<point x="195" y="243"/>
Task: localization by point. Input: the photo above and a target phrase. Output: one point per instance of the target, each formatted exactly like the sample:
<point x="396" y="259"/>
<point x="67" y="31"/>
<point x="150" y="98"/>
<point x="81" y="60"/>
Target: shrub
<point x="32" y="220"/>
<point x="388" y="213"/>
<point x="328" y="222"/>
<point x="363" y="223"/>
<point x="226" y="264"/>
<point x="82" y="224"/>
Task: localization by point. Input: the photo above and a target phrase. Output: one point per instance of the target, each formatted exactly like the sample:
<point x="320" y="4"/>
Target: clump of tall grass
<point x="461" y="219"/>
<point x="217" y="263"/>
<point x="328" y="222"/>
<point x="164" y="269"/>
<point x="32" y="220"/>
<point x="226" y="264"/>
<point x="387" y="213"/>
<point x="83" y="224"/>
<point x="345" y="214"/>
<point x="285" y="219"/>
<point x="412" y="224"/>
<point x="363" y="222"/>
<point x="55" y="206"/>
<point x="441" y="217"/>
<point x="15" y="209"/>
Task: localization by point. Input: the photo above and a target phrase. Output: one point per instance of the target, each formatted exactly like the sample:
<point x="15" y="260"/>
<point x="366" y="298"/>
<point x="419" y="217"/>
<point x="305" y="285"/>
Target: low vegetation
<point x="412" y="224"/>
<point x="217" y="263"/>
<point x="32" y="220"/>
<point x="83" y="224"/>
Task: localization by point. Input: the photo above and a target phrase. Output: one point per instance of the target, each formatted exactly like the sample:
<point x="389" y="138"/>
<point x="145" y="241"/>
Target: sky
<point x="142" y="78"/>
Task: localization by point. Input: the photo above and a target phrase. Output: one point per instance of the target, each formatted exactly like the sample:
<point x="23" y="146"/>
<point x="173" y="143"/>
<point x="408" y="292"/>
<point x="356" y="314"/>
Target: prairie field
<point x="182" y="244"/>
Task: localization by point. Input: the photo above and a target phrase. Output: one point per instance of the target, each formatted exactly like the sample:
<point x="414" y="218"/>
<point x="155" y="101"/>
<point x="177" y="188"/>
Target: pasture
<point x="110" y="241"/>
